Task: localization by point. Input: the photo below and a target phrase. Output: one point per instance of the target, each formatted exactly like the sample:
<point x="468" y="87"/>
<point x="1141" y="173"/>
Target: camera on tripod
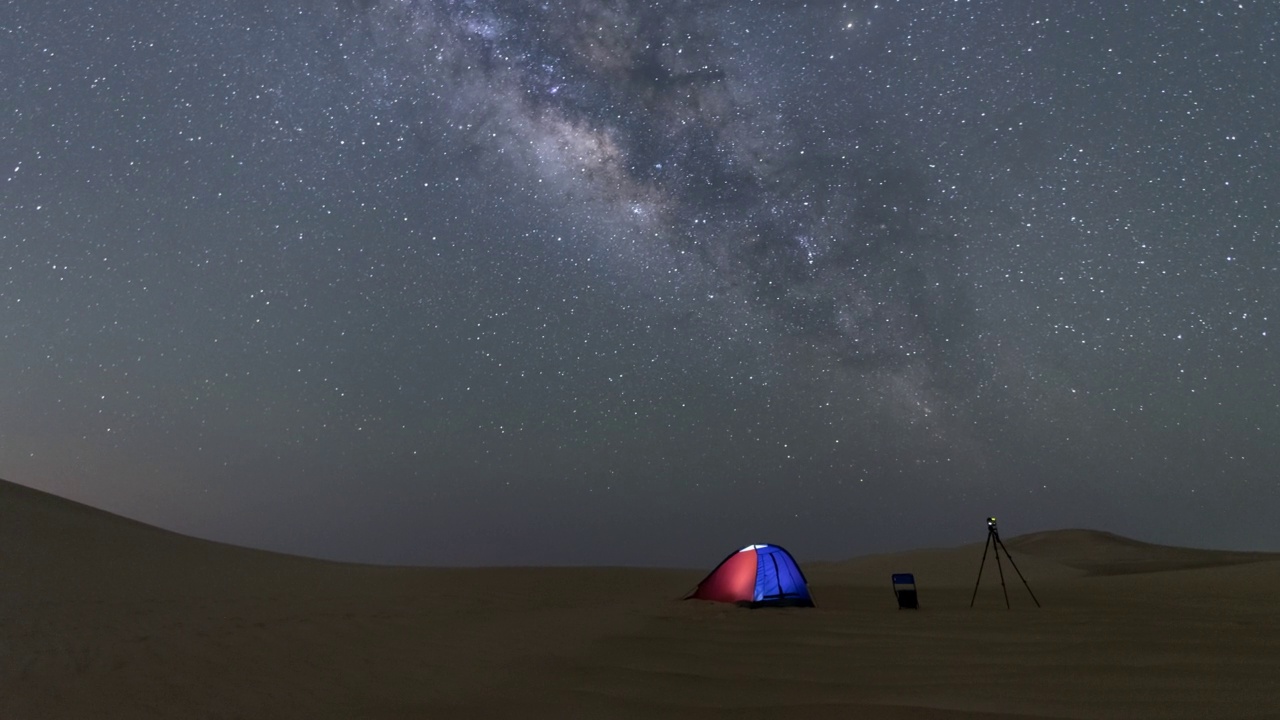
<point x="997" y="546"/>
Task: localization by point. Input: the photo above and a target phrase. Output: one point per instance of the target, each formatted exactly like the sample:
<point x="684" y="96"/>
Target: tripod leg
<point x="1015" y="569"/>
<point x="997" y="545"/>
<point x="985" y="546"/>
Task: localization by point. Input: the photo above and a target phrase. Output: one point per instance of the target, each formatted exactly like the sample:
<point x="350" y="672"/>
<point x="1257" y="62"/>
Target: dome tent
<point x="756" y="576"/>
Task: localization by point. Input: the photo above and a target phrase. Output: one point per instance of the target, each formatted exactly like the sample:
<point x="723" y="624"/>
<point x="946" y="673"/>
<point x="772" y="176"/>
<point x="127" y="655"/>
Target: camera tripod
<point x="994" y="543"/>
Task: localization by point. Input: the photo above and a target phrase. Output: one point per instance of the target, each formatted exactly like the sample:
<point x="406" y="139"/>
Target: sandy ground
<point x="102" y="617"/>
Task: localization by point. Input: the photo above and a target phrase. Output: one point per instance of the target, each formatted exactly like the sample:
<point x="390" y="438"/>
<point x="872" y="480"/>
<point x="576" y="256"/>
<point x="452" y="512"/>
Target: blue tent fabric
<point x="778" y="578"/>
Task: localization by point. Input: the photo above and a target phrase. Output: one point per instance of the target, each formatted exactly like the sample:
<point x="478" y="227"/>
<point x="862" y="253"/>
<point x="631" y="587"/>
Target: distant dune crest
<point x="1103" y="553"/>
<point x="26" y="514"/>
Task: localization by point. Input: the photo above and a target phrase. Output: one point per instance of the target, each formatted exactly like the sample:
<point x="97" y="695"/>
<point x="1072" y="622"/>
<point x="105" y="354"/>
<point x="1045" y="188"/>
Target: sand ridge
<point x="103" y="617"/>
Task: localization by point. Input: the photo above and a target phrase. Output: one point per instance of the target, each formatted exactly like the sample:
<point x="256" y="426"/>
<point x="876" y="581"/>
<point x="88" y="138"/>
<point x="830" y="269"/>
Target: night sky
<point x="625" y="282"/>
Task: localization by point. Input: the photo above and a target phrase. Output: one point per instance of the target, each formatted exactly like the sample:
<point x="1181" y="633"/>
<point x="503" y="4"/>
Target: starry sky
<point x="640" y="282"/>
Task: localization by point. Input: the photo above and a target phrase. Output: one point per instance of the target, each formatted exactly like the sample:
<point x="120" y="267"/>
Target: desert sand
<point x="104" y="617"/>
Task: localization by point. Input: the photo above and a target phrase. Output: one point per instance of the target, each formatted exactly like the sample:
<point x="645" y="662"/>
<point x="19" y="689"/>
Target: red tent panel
<point x="733" y="581"/>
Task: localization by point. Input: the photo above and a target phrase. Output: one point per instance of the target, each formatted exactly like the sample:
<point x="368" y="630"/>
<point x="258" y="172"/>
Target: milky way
<point x="508" y="281"/>
<point x="822" y="232"/>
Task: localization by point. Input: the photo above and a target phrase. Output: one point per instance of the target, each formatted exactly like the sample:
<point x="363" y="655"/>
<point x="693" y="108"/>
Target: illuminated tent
<point x="756" y="576"/>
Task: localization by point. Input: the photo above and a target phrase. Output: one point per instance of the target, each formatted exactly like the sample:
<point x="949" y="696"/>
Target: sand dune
<point x="102" y="617"/>
<point x="1102" y="553"/>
